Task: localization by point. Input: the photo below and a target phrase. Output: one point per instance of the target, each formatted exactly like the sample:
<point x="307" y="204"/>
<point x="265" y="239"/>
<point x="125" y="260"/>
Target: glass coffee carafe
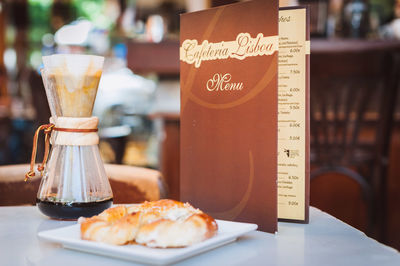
<point x="74" y="182"/>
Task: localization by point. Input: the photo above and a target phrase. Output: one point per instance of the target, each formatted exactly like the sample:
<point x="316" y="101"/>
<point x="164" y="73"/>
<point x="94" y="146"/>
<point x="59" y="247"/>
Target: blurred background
<point x="355" y="113"/>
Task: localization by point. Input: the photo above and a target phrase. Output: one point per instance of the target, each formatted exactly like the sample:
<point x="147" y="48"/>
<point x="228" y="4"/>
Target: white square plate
<point x="69" y="237"/>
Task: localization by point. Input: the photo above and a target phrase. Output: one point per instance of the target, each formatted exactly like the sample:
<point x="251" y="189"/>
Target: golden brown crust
<point x="113" y="226"/>
<point x="211" y="224"/>
<point x="114" y="213"/>
<point x="163" y="223"/>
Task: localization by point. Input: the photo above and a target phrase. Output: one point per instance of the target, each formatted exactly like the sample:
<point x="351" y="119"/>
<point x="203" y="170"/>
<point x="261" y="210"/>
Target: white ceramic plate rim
<point x="69" y="237"/>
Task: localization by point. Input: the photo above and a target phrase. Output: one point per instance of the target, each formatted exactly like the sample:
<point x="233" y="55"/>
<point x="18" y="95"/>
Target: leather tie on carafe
<point x="47" y="129"/>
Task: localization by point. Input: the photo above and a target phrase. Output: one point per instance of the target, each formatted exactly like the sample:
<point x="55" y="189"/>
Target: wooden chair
<point x="353" y="92"/>
<point x="5" y="130"/>
<point x="129" y="184"/>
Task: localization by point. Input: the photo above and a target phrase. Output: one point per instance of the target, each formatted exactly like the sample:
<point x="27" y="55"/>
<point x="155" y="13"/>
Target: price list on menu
<point x="292" y="115"/>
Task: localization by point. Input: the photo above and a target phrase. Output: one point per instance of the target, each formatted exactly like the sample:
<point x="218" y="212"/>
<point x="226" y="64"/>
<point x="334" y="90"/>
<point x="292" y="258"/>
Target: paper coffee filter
<point x="73" y="64"/>
<point x="72" y="82"/>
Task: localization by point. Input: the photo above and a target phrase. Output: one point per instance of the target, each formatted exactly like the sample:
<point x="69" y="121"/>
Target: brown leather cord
<point x="76" y="130"/>
<point x="47" y="129"/>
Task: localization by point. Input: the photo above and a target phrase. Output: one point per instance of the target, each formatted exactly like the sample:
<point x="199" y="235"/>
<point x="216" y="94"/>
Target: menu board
<point x="293" y="114"/>
<point x="229" y="93"/>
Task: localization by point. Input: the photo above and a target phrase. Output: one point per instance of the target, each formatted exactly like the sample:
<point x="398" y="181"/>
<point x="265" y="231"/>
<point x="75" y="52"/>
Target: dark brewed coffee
<point x="74" y="210"/>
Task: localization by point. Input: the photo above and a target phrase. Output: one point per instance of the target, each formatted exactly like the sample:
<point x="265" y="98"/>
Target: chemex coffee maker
<point x="74" y="182"/>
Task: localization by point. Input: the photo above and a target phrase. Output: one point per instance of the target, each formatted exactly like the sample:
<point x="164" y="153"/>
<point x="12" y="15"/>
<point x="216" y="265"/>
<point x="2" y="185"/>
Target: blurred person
<point x="392" y="29"/>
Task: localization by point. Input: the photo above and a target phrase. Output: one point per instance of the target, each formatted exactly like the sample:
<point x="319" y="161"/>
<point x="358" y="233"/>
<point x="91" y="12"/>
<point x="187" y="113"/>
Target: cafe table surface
<point x="324" y="241"/>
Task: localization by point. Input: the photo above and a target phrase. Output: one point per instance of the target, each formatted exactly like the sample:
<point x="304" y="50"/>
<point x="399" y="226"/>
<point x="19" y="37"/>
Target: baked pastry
<point x="162" y="224"/>
<point x="113" y="226"/>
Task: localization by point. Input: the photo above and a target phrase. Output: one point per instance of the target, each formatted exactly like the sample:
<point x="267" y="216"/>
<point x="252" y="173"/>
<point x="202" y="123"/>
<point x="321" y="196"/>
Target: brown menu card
<point x="229" y="86"/>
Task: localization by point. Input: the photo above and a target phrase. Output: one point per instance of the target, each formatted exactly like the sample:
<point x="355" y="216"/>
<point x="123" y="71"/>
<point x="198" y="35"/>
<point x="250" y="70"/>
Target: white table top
<point x="325" y="241"/>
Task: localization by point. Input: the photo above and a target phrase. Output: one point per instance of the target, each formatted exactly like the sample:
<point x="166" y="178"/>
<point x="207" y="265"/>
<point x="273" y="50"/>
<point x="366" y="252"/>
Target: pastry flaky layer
<point x="162" y="224"/>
